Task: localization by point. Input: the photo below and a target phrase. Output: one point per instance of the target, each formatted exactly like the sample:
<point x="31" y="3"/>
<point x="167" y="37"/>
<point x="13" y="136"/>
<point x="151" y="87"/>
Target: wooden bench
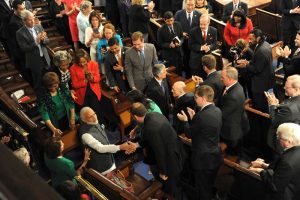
<point x="143" y="189"/>
<point x="121" y="106"/>
<point x="70" y="139"/>
<point x="269" y="23"/>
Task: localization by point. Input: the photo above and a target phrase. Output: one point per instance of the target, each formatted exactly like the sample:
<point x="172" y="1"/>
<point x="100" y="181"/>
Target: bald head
<point x="178" y="88"/>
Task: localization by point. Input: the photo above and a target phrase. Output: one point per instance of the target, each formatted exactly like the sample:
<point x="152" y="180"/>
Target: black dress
<point x="61" y="23"/>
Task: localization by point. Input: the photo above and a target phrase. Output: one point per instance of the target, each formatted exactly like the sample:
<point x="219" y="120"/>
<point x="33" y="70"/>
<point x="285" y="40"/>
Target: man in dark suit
<point x="32" y="40"/>
<point x="287" y="111"/>
<point x="170" y="5"/>
<point x="188" y="18"/>
<point x="204" y="129"/>
<point x="290" y="21"/>
<point x="139" y="61"/>
<point x="114" y="62"/>
<point x="290" y="64"/>
<point x="203" y="40"/>
<point x="260" y="69"/>
<point x="14" y="24"/>
<point x="5" y="14"/>
<point x="170" y="38"/>
<point x="158" y="90"/>
<point x="163" y="148"/>
<point x="282" y="176"/>
<point x="235" y="121"/>
<point x="183" y="100"/>
<point x="213" y="78"/>
<point x="232" y="6"/>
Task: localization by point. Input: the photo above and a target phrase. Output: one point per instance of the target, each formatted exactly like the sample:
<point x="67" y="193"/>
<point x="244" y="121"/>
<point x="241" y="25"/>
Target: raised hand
<point x="182" y="116"/>
<point x="197" y="80"/>
<point x="191" y="112"/>
<point x="272" y="100"/>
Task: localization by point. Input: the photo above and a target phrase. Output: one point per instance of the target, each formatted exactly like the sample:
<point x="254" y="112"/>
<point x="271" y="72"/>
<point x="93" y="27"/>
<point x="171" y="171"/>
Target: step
<point x="7" y="73"/>
<point x="14" y="86"/>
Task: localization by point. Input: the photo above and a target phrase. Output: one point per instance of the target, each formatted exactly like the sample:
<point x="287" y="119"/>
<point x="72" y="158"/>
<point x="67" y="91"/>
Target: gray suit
<point x="138" y="73"/>
<point x="34" y="61"/>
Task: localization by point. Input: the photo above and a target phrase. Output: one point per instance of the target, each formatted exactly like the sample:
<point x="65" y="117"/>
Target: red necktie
<point x="204" y="35"/>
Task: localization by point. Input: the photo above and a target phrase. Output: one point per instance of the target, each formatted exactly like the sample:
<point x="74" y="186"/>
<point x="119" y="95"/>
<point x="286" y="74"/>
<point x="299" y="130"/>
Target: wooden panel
<point x="70" y="139"/>
<point x="269" y="23"/>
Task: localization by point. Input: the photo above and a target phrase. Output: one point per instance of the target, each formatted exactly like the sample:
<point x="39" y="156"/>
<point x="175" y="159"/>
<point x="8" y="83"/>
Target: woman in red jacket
<point x="85" y="78"/>
<point x="239" y="26"/>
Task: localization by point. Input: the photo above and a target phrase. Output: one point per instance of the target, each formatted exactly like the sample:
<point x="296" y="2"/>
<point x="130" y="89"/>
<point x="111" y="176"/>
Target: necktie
<point x="204" y="35"/>
<point x="172" y="30"/>
<point x="34" y="34"/>
<point x="225" y="91"/>
<point x="142" y="56"/>
<point x="120" y="63"/>
<point x="189" y="19"/>
<point x="162" y="87"/>
<point x="235" y="7"/>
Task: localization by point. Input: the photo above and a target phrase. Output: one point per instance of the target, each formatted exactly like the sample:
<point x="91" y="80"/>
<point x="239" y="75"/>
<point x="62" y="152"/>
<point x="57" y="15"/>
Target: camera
<point x="235" y="53"/>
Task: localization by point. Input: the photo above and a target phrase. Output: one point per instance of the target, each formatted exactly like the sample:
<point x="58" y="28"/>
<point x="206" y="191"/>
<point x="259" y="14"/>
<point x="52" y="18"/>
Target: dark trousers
<point x="171" y="186"/>
<point x="290" y="25"/>
<point x="92" y="101"/>
<point x="186" y="58"/>
<point x="259" y="102"/>
<point x="204" y="183"/>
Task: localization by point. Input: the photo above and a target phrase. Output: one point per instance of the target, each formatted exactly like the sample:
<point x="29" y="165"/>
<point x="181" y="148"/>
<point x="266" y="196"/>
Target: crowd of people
<point x="214" y="114"/>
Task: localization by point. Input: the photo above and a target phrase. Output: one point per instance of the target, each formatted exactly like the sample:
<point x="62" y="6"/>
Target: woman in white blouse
<point x="93" y="34"/>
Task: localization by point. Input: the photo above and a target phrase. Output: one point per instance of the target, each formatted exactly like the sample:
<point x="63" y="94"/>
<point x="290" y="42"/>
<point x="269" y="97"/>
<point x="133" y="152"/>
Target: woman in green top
<point x="61" y="168"/>
<point x="137" y="96"/>
<point x="56" y="104"/>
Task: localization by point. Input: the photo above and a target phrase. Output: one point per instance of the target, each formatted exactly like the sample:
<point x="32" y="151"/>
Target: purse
<point x="119" y="179"/>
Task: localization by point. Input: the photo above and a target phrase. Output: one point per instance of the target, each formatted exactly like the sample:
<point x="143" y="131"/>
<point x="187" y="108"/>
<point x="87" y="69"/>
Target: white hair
<point x="290" y="131"/>
<point x="295" y="81"/>
<point x="25" y="14"/>
<point x="82" y="113"/>
<point x="23" y="155"/>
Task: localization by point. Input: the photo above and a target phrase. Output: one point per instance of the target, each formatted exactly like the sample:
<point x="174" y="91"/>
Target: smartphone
<point x="95" y="30"/>
<point x="104" y="47"/>
<point x="270" y="91"/>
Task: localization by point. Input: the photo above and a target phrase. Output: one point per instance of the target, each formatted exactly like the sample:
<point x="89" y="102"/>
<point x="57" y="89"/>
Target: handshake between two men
<point x="129" y="147"/>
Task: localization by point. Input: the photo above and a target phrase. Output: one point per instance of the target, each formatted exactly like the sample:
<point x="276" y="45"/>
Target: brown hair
<point x="49" y="79"/>
<point x="81" y="53"/>
<point x="109" y="26"/>
<point x="205" y="91"/>
<point x="97" y="15"/>
<point x="137" y="35"/>
<point x="209" y="61"/>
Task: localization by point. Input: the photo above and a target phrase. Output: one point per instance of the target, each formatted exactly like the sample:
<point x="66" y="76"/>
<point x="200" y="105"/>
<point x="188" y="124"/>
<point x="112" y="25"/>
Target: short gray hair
<point x="290" y="131"/>
<point x="23" y="155"/>
<point x="25" y="14"/>
<point x="84" y="5"/>
<point x="82" y="113"/>
<point x="60" y="56"/>
<point x="157" y="69"/>
<point x="295" y="81"/>
<point x="231" y="72"/>
<point x="205" y="16"/>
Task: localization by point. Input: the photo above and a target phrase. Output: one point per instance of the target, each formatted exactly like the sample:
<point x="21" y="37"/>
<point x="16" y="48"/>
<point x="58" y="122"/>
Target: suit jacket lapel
<point x="29" y="35"/>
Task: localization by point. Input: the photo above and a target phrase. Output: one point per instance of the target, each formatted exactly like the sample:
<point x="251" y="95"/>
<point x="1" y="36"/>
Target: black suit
<point x="290" y="22"/>
<point x="228" y="8"/>
<point x="138" y="19"/>
<point x="162" y="98"/>
<point x="170" y="5"/>
<point x="214" y="81"/>
<point x="235" y="121"/>
<point x="282" y="176"/>
<point x="206" y="157"/>
<point x="181" y="17"/>
<point x="187" y="100"/>
<point x="5" y="15"/>
<point x="287" y="111"/>
<point x="163" y="150"/>
<point x="114" y="77"/>
<point x="165" y="36"/>
<point x="261" y="72"/>
<point x="291" y="65"/>
<point x="196" y="40"/>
